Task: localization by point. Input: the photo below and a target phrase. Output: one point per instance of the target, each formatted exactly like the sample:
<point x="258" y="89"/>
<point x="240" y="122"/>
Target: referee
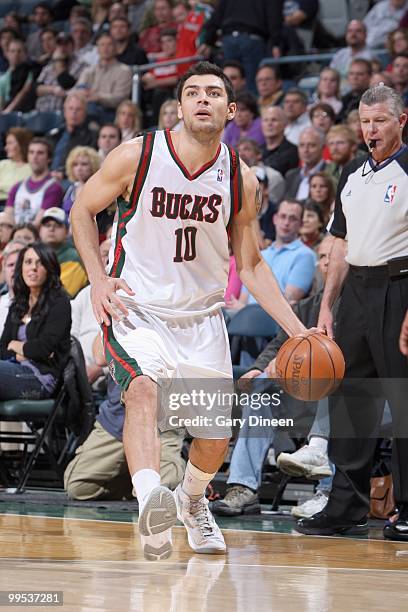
<point x="369" y="260"/>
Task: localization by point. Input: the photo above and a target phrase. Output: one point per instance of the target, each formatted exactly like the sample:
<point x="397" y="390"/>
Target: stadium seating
<point x="9" y="120"/>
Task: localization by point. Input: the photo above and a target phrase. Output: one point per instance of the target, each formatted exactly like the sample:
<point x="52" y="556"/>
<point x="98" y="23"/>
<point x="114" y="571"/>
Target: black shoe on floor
<point x="398" y="530"/>
<point x="322" y="524"/>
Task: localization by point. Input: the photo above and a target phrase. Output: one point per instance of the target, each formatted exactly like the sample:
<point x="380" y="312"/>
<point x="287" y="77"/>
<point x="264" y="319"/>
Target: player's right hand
<point x="325" y="321"/>
<point x="106" y="303"/>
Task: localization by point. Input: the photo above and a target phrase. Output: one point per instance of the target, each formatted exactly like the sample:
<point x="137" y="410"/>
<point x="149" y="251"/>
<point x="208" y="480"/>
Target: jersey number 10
<point x="185" y="240"/>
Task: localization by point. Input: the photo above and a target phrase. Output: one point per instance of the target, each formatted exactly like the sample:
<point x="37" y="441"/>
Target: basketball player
<point x="179" y="195"/>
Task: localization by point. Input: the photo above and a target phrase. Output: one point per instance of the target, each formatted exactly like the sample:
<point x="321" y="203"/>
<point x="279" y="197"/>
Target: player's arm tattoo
<point x="258" y="199"/>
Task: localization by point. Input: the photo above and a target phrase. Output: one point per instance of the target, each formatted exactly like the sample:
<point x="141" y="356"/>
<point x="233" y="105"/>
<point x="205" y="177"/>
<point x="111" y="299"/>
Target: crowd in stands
<point x="75" y="61"/>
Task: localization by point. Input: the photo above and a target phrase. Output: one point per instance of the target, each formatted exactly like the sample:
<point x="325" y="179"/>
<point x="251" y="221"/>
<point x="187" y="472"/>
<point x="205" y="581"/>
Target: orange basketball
<point x="310" y="368"/>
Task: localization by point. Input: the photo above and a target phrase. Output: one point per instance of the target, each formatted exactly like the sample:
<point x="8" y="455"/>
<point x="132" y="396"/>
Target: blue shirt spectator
<point x="292" y="264"/>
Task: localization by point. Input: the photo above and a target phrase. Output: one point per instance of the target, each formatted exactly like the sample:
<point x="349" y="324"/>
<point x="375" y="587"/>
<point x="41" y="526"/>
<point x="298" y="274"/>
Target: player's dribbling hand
<point x="325" y="322"/>
<point x="270" y="369"/>
<point x="106" y="303"/>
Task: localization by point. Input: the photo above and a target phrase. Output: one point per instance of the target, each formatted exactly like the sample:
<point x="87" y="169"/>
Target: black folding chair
<point x="56" y="426"/>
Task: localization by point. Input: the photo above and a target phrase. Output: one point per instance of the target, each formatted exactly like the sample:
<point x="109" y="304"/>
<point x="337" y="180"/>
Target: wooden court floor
<point x="99" y="566"/>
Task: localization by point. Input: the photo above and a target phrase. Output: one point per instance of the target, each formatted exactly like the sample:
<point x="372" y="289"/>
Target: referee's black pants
<point x="369" y="321"/>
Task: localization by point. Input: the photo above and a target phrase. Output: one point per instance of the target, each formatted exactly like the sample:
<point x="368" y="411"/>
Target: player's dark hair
<point x="201" y="69"/>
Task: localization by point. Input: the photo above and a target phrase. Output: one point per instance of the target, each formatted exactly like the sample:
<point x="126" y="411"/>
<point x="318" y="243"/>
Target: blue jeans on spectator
<point x="19" y="382"/>
<point x="247" y="49"/>
<point x="251" y="447"/>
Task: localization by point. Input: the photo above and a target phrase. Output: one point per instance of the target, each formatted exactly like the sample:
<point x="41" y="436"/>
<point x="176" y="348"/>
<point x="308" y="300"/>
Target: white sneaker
<point x="159" y="514"/>
<point x="204" y="535"/>
<point x="311" y="506"/>
<point x="306" y="462"/>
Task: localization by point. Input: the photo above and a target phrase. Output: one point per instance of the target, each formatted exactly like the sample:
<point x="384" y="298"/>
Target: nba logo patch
<point x="390" y="194"/>
<point x="220" y="175"/>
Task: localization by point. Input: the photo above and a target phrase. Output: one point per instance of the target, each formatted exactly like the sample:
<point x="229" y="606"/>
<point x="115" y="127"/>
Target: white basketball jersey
<point x="172" y="236"/>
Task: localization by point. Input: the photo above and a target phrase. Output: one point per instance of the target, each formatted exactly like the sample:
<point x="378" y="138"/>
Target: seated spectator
<point x="100" y="16"/>
<point x="6" y="229"/>
<point x="251" y="448"/>
<point x="313" y="223"/>
<point x="8" y="265"/>
<point x="54" y="233"/>
<point x="81" y="164"/>
<point x="342" y="143"/>
<point x="149" y="38"/>
<point x="35" y="343"/>
<point x="16" y="83"/>
<point x="323" y="118"/>
<point x="322" y="193"/>
<point x="6" y="36"/>
<point x="54" y="82"/>
<point x="397" y="42"/>
<point x="109" y="138"/>
<point x="399" y="75"/>
<point x="99" y="469"/>
<point x="107" y="83"/>
<point x="117" y="9"/>
<point x="328" y="89"/>
<point x="353" y="122"/>
<point x="235" y="71"/>
<point x="269" y="85"/>
<point x="161" y="81"/>
<point x="268" y="207"/>
<point x="295" y="109"/>
<point x="25" y="232"/>
<point x="75" y="65"/>
<point x="180" y="12"/>
<point x="15" y="167"/>
<point x="42" y="18"/>
<point x="168" y="116"/>
<point x="28" y="199"/>
<point x="358" y="78"/>
<point x="246" y="122"/>
<point x="250" y="152"/>
<point x="278" y="153"/>
<point x="84" y="50"/>
<point x="383" y="18"/>
<point x="48" y="39"/>
<point x="311" y="143"/>
<point x="127" y="51"/>
<point x="74" y="132"/>
<point x="292" y="263"/>
<point x="381" y="77"/>
<point x="356" y="38"/>
<point x="129" y="120"/>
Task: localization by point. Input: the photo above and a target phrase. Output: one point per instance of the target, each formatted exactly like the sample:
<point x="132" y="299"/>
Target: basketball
<point x="310" y="368"/>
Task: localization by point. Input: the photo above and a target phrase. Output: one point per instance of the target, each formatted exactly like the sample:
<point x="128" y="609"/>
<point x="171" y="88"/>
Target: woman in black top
<point x="35" y="343"/>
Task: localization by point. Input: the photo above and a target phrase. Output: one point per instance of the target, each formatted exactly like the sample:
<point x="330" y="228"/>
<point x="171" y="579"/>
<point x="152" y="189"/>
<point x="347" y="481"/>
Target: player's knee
<point x="140" y="390"/>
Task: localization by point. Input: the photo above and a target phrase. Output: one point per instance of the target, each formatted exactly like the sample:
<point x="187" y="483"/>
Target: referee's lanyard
<point x="374" y="167"/>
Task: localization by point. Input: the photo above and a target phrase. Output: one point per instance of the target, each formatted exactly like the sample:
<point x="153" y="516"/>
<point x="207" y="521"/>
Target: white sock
<point x="319" y="444"/>
<point x="195" y="481"/>
<point x="144" y="481"/>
